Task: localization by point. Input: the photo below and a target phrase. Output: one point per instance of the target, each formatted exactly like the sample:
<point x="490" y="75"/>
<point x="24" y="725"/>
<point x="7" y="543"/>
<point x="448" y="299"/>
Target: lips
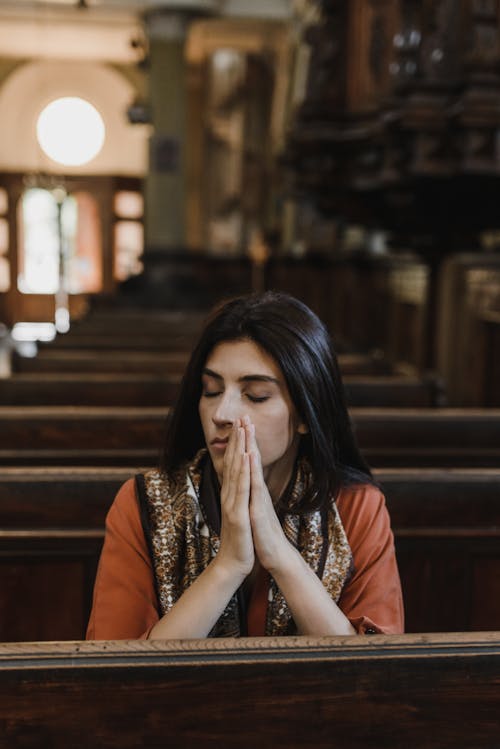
<point x="219" y="442"/>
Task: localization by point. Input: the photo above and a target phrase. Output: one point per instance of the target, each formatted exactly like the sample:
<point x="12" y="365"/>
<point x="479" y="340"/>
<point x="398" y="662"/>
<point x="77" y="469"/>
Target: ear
<point x="303" y="429"/>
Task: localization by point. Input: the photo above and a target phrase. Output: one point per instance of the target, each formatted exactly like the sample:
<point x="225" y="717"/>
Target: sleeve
<point x="372" y="599"/>
<point x="124" y="604"/>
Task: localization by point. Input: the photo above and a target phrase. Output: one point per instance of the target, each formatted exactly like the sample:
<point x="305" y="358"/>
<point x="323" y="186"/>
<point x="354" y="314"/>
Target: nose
<point x="227" y="410"/>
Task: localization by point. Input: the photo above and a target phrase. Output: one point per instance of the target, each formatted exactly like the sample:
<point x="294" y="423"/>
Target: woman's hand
<point x="236" y="545"/>
<point x="313" y="611"/>
<point x="271" y="545"/>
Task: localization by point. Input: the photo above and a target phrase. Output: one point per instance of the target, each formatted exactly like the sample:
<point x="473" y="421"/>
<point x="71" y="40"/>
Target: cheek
<point x="274" y="433"/>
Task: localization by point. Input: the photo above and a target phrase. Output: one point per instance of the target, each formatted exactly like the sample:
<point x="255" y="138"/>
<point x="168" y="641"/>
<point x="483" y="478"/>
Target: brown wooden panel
<point x="43" y="498"/>
<point x="432" y="692"/>
<point x="133" y="459"/>
<point x="165" y="363"/>
<point x="118" y="389"/>
<point x="42" y="389"/>
<point x="87" y="360"/>
<point x="388" y="437"/>
<point x="116" y="341"/>
<point x="485" y="606"/>
<point x="64" y="427"/>
<point x="446" y="525"/>
<point x="46" y="583"/>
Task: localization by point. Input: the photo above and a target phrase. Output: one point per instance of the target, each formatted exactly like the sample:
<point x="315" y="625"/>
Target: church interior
<point x="158" y="156"/>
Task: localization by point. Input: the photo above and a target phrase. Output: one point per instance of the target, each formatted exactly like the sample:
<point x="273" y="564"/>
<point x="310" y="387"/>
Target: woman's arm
<point x="124" y="602"/>
<point x="372" y="599"/>
<point x="125" y="605"/>
<point x="200" y="606"/>
<point x="313" y="611"/>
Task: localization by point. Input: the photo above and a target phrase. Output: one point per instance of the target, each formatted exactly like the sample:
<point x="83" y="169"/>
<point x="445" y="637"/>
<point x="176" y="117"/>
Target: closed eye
<point x="211" y="394"/>
<point x="257" y="399"/>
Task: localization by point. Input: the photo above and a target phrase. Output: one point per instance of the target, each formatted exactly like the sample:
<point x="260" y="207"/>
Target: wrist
<point x="282" y="560"/>
<point x="229" y="571"/>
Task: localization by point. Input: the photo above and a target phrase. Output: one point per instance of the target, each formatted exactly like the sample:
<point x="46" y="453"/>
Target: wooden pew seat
<point x="425" y="692"/>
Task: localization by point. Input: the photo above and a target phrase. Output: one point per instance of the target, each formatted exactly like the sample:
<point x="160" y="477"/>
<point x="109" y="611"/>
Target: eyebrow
<point x="245" y="378"/>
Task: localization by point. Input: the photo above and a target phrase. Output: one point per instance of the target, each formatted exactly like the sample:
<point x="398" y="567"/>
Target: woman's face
<point x="239" y="378"/>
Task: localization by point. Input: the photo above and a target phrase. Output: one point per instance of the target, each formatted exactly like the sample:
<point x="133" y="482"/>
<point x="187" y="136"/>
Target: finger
<point x="251" y="444"/>
<point x="256" y="474"/>
<point x="231" y="445"/>
<point x="243" y="485"/>
<point x="232" y="473"/>
<point x="247" y="426"/>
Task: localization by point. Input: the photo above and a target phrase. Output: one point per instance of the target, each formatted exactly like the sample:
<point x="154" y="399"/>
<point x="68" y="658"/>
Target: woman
<point x="264" y="518"/>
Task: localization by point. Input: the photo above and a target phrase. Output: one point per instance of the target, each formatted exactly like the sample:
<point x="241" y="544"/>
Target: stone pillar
<point x="165" y="181"/>
<point x="166" y="26"/>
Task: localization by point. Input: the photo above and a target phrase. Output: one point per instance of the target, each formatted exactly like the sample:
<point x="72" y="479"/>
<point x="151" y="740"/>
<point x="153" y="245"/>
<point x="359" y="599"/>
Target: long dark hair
<point x="299" y="343"/>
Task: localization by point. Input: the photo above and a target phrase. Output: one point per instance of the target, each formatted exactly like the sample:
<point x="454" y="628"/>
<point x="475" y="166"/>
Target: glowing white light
<point x="62" y="320"/>
<point x="33" y="331"/>
<point x="70" y="131"/>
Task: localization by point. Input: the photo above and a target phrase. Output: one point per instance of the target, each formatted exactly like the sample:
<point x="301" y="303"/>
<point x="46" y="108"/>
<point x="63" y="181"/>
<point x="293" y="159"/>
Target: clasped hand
<point x="250" y="527"/>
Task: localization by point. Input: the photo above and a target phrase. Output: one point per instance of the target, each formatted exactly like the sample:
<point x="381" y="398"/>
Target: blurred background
<point x="164" y="154"/>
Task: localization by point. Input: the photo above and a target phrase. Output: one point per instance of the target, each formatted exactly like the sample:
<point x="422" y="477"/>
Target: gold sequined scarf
<point x="181" y="520"/>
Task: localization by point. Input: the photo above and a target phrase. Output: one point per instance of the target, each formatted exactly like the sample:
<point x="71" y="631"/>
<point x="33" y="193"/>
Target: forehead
<point x="240" y="358"/>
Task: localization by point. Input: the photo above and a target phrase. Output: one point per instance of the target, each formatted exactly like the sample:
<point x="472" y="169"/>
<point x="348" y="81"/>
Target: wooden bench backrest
<point x="133" y="436"/>
<point x="446" y="526"/>
<point x="154" y="361"/>
<point x="141" y="389"/>
<point x="432" y="692"/>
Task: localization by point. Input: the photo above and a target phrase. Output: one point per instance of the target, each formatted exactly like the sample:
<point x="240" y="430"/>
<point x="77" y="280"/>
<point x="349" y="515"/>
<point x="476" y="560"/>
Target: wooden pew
<point x="118" y="389"/>
<point x="447" y="533"/>
<point x="428" y="437"/>
<point x="88" y="361"/>
<point x="51" y="534"/>
<point x="73" y="389"/>
<point x="124" y="342"/>
<point x="393" y="391"/>
<point x="446" y="525"/>
<point x="133" y="325"/>
<point x="382" y="692"/>
<point x="64" y="435"/>
<point x="156" y="362"/>
<point x="136" y="321"/>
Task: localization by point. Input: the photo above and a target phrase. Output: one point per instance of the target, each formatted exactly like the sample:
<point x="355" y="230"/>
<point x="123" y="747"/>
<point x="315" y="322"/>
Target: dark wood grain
<point x="446" y="525"/>
<point x="102" y="436"/>
<point x="157" y="362"/>
<point x="426" y="692"/>
<point x="147" y="390"/>
<point x="87" y="360"/>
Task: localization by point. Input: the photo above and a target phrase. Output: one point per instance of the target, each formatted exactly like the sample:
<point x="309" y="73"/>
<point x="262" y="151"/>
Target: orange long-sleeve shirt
<point x="125" y="605"/>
